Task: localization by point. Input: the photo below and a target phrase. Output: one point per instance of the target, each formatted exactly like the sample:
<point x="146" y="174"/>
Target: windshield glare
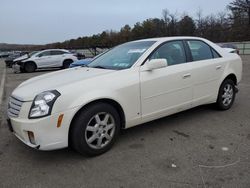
<point x="122" y="56"/>
<point x="32" y="53"/>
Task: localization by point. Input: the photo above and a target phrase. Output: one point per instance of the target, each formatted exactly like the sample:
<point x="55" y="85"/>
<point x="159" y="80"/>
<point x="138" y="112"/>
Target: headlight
<point x="18" y="62"/>
<point x="43" y="103"/>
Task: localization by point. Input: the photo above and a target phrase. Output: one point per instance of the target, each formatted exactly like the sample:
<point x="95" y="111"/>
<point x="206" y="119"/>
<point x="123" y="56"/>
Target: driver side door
<point x="167" y="90"/>
<point x="43" y="59"/>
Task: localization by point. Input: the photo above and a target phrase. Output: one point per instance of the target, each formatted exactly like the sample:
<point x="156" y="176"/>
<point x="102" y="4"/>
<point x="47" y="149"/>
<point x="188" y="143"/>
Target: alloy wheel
<point x="100" y="130"/>
<point x="228" y="93"/>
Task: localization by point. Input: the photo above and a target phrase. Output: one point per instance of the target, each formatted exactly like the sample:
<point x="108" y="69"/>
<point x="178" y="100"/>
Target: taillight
<point x="238" y="51"/>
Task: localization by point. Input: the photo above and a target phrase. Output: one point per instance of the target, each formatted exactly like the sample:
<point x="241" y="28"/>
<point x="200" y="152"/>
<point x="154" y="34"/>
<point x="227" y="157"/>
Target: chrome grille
<point x="14" y="107"/>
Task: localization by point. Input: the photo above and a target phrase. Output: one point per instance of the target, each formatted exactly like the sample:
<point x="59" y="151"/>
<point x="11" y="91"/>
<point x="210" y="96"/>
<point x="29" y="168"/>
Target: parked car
<point x="131" y="84"/>
<point x="84" y="62"/>
<point x="80" y="56"/>
<point x="4" y="54"/>
<point x="81" y="62"/>
<point x="9" y="61"/>
<point x="52" y="58"/>
<point x="231" y="48"/>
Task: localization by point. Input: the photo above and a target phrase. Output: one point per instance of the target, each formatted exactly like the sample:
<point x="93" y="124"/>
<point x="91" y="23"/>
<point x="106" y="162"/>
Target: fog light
<point x="31" y="137"/>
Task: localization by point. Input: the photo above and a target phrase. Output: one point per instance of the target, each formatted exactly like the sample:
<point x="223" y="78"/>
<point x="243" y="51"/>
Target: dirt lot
<point x="201" y="147"/>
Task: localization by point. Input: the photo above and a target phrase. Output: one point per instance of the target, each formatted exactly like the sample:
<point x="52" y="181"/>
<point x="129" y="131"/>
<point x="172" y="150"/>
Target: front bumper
<point x="16" y="68"/>
<point x="19" y="137"/>
<point x="47" y="135"/>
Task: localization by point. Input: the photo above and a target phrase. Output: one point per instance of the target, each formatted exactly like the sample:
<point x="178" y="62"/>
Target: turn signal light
<point x="59" y="121"/>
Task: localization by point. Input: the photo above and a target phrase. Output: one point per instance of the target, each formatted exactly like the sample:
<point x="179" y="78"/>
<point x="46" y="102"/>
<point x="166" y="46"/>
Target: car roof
<point x="54" y="50"/>
<point x="162" y="39"/>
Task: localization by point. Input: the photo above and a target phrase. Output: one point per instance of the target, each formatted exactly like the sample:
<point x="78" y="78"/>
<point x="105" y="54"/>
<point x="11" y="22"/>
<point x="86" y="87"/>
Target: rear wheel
<point x="29" y="67"/>
<point x="67" y="63"/>
<point x="226" y="95"/>
<point x="95" y="129"/>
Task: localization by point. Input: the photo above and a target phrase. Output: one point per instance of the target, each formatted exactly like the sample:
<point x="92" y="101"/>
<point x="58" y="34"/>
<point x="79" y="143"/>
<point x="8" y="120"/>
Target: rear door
<point x="167" y="90"/>
<point x="57" y="57"/>
<point x="207" y="67"/>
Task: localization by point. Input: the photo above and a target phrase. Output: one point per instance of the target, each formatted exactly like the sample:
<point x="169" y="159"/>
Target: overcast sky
<point x="46" y="21"/>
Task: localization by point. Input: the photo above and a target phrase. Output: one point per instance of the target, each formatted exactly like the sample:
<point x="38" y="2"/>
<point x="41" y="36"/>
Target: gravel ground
<point x="201" y="147"/>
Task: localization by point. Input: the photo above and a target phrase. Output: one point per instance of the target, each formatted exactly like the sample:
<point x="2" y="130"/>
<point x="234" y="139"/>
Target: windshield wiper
<point x="100" y="67"/>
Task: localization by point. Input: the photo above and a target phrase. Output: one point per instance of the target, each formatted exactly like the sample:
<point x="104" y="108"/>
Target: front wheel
<point x="226" y="95"/>
<point x="29" y="67"/>
<point x="95" y="129"/>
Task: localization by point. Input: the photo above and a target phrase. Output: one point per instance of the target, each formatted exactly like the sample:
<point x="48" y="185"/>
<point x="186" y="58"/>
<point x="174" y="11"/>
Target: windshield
<point x="121" y="57"/>
<point x="32" y="53"/>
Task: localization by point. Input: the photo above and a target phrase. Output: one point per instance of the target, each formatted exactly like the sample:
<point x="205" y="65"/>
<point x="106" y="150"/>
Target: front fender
<point x="122" y="87"/>
<point x="131" y="108"/>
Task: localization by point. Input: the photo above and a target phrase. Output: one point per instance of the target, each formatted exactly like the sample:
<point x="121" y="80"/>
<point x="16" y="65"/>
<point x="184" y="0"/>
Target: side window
<point x="173" y="52"/>
<point x="46" y="53"/>
<point x="57" y="52"/>
<point x="200" y="50"/>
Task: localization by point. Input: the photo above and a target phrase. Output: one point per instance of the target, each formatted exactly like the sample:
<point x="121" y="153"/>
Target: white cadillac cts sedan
<point x="131" y="84"/>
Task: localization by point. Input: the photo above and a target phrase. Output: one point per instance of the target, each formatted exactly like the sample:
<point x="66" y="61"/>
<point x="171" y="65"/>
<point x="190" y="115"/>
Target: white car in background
<point x="52" y="58"/>
<point x="131" y="84"/>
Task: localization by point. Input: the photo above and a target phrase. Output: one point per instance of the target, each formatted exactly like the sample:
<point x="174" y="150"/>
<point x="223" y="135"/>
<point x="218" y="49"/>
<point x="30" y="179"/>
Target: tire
<point x="67" y="63"/>
<point x="29" y="67"/>
<point x="22" y="70"/>
<point x="95" y="129"/>
<point x="226" y="95"/>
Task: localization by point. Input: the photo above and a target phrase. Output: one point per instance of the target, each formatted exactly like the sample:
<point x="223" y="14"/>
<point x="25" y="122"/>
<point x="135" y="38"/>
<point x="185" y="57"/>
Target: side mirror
<point x="155" y="64"/>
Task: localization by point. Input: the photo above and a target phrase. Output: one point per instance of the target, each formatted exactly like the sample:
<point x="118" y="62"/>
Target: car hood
<point x="21" y="58"/>
<point x="82" y="62"/>
<point x="27" y="90"/>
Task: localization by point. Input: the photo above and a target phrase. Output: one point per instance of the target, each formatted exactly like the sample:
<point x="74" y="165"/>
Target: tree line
<point x="232" y="25"/>
<point x="228" y="26"/>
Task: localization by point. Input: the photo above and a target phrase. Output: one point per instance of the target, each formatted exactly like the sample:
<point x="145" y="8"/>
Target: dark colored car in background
<point x="9" y="61"/>
<point x="80" y="56"/>
<point x="4" y="54"/>
<point x="230" y="45"/>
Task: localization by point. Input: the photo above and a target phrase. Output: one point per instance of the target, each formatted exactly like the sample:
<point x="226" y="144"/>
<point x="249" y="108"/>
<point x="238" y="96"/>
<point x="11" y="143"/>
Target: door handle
<point x="186" y="76"/>
<point x="218" y="67"/>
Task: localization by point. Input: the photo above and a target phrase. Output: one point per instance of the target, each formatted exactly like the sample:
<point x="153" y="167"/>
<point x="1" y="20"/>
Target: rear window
<point x="215" y="54"/>
<point x="201" y="51"/>
<point x="57" y="52"/>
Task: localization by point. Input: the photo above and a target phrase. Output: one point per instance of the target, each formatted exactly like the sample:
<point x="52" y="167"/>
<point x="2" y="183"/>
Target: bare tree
<point x="241" y="7"/>
<point x="199" y="23"/>
<point x="165" y="15"/>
